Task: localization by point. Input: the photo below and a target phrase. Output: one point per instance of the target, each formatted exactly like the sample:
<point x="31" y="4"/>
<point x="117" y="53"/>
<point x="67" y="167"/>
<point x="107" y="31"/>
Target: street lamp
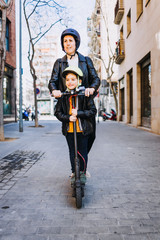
<point x="20" y="69"/>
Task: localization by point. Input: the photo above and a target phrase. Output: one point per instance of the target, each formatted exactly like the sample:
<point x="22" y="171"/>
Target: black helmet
<point x="72" y="32"/>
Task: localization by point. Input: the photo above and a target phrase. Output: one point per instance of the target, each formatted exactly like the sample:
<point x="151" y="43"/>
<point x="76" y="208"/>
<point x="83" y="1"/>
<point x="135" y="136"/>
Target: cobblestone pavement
<point x="14" y="166"/>
<point x="122" y="197"/>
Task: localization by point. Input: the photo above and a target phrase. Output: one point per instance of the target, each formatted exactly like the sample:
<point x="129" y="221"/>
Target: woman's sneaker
<point x="72" y="179"/>
<point x="88" y="175"/>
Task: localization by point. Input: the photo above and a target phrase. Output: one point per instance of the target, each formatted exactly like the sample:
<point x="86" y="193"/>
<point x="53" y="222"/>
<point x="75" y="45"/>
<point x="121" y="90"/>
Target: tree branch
<point x="33" y="9"/>
<point x="47" y="30"/>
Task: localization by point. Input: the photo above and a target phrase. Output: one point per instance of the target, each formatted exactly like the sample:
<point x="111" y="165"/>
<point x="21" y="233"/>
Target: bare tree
<point x="109" y="71"/>
<point x="111" y="58"/>
<point x="40" y="17"/>
<point x="111" y="55"/>
<point x="4" y="6"/>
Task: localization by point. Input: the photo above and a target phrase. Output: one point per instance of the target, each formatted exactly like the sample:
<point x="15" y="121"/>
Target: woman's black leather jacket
<point x="86" y="111"/>
<point x="90" y="77"/>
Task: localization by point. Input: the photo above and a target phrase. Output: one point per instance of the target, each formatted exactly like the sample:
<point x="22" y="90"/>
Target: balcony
<point x="118" y="11"/>
<point x="120" y="52"/>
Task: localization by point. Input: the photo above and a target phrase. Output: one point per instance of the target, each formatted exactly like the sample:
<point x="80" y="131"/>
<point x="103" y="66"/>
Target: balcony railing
<point x="120" y="51"/>
<point x="118" y="11"/>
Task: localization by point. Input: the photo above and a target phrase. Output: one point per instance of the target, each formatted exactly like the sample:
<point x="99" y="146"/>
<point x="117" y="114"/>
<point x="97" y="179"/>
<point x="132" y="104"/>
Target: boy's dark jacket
<point x="86" y="111"/>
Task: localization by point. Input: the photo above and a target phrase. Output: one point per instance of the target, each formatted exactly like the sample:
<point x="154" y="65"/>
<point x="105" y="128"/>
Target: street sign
<point x="37" y="91"/>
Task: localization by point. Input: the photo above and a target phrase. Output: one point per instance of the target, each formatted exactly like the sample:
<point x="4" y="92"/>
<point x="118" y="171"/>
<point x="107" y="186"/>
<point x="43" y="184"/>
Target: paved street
<point x="122" y="197"/>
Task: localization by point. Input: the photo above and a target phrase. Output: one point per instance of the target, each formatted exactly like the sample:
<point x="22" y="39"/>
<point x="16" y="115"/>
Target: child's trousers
<point x="82" y="145"/>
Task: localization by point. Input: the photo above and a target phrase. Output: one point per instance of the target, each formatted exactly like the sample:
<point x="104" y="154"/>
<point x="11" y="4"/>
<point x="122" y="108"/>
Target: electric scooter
<point x="78" y="187"/>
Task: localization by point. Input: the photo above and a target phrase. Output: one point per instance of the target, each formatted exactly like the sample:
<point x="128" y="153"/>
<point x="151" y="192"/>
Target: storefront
<point x="9" y="93"/>
<point x="146" y="93"/>
<point x="121" y="99"/>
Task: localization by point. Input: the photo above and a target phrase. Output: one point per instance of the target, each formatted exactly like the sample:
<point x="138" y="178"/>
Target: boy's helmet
<point x="72" y="32"/>
<point x="73" y="69"/>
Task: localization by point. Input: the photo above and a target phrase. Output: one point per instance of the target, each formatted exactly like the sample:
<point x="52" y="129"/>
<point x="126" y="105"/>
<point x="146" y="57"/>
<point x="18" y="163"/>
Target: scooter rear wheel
<point x="78" y="197"/>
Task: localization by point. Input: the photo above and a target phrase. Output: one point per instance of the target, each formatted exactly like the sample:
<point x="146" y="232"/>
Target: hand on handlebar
<point x="56" y="93"/>
<point x="74" y="112"/>
<point x="89" y="91"/>
<point x="72" y="118"/>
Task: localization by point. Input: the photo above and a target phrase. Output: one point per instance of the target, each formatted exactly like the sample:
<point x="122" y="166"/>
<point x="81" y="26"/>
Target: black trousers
<point x="92" y="136"/>
<point x="82" y="145"/>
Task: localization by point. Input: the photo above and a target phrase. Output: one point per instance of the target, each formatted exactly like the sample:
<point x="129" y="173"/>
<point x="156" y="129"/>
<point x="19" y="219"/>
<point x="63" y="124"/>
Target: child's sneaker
<point x="82" y="178"/>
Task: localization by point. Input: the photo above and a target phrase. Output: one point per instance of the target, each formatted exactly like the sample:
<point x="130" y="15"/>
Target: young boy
<point x="82" y="113"/>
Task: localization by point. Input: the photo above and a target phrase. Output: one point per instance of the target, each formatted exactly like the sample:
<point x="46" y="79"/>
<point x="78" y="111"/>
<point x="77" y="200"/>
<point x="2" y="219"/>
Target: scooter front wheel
<point x="78" y="197"/>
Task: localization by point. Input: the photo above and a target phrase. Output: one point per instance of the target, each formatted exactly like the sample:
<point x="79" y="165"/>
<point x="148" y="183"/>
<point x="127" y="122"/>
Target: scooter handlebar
<point x="80" y="92"/>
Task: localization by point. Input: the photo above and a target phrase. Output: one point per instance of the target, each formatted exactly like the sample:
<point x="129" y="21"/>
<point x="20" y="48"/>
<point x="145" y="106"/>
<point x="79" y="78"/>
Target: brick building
<point x="9" y="82"/>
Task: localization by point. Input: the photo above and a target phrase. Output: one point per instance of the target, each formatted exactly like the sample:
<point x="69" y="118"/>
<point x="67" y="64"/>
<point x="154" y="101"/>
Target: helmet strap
<point x="78" y="82"/>
<point x="72" y="55"/>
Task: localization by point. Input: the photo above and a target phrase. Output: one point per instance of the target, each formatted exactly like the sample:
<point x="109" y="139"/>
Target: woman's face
<point x="69" y="44"/>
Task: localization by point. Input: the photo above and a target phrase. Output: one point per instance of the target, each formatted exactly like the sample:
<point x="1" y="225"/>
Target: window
<point x="6" y="95"/>
<point x="121" y="33"/>
<point x="7" y="35"/>
<point x="129" y="23"/>
<point x="98" y="10"/>
<point x="0" y="22"/>
<point x="122" y="97"/>
<point x="139" y="8"/>
<point x="130" y="85"/>
<point x="122" y="101"/>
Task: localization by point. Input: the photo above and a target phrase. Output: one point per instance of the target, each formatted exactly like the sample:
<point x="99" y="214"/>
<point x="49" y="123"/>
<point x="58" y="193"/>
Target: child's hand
<point x="72" y="118"/>
<point x="74" y="112"/>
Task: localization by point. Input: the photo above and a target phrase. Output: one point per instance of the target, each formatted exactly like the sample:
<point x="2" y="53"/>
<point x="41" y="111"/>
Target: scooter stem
<point x="77" y="163"/>
<point x="74" y="128"/>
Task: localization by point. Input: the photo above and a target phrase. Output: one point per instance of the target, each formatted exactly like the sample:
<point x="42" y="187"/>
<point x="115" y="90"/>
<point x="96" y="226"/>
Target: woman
<point x="70" y="42"/>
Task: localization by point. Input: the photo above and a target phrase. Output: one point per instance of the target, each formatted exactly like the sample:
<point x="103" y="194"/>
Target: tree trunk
<point x="2" y="64"/>
<point x="33" y="73"/>
<point x="114" y="95"/>
<point x="32" y="69"/>
<point x="35" y="103"/>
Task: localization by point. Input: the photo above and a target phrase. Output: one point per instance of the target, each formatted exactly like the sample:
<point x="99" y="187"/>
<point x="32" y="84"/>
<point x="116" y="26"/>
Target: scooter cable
<point x="83" y="161"/>
<point x="70" y="100"/>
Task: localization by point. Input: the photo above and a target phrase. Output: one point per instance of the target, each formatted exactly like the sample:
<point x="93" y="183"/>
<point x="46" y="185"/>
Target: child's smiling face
<point x="71" y="81"/>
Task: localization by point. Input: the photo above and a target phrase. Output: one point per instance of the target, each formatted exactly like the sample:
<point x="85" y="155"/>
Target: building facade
<point x="46" y="53"/>
<point x="94" y="33"/>
<point x="9" y="81"/>
<point x="102" y="37"/>
<point x="138" y="56"/>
